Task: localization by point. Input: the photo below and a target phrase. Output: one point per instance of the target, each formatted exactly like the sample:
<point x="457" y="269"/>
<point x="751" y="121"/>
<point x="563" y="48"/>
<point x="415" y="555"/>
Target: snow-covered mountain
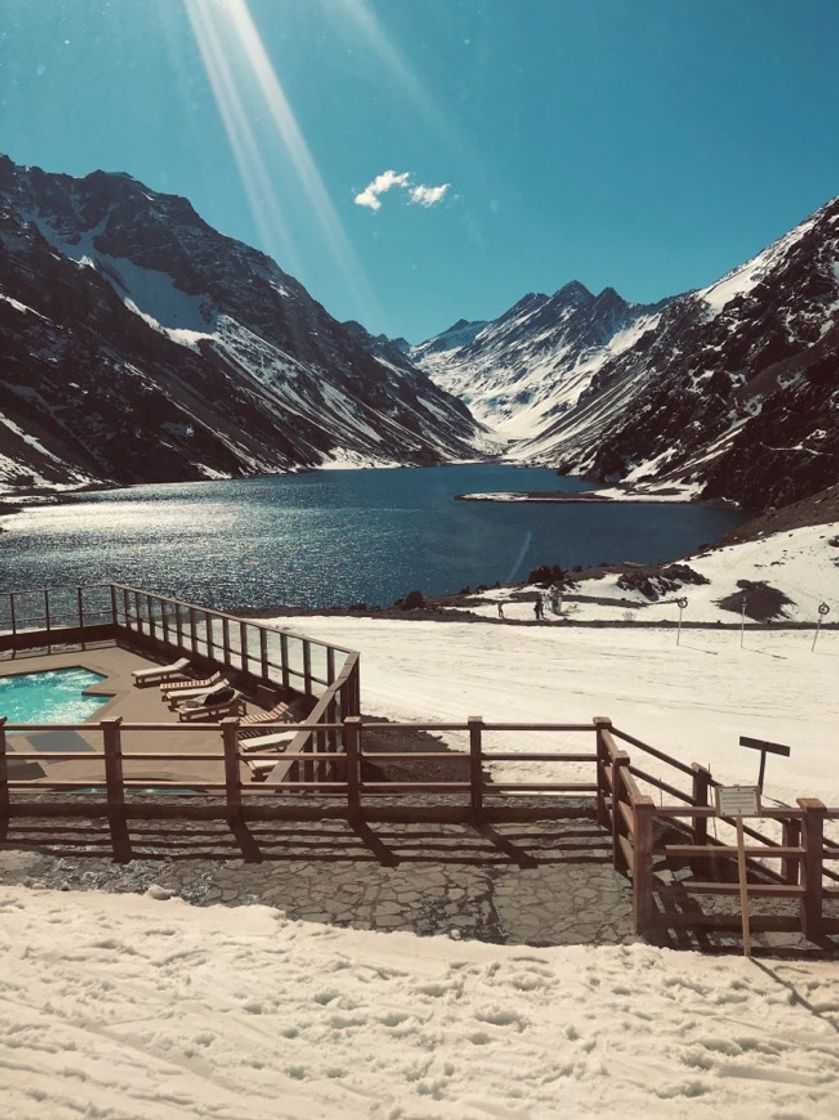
<point x="736" y="390"/>
<point x="733" y="389"/>
<point x="139" y="344"/>
<point x="519" y="372"/>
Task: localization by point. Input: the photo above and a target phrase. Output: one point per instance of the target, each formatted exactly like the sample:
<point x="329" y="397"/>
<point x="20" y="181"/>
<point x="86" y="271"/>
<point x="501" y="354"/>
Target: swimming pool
<point x="51" y="696"/>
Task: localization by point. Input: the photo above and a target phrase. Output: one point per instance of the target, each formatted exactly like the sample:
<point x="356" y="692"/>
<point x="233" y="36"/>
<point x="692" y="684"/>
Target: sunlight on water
<point x="336" y="537"/>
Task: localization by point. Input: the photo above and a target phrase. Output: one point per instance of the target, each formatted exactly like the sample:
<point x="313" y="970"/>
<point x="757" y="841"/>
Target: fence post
<point x="112" y="746"/>
<point x="620" y="760"/>
<point x="284" y="660"/>
<point x="476" y="777"/>
<point x="642" y="874"/>
<point x="307" y="667"/>
<point x="791" y="838"/>
<point x="812" y="836"/>
<point x="352" y="749"/>
<point x="4" y="772"/>
<point x="80" y="608"/>
<point x="701" y="785"/>
<point x="601" y="724"/>
<point x="263" y="654"/>
<point x="233" y="790"/>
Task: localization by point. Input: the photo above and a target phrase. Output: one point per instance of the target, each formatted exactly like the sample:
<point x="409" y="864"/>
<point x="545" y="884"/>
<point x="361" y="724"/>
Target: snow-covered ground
<point x="649" y="494"/>
<point x="693" y="700"/>
<point x="802" y="563"/>
<point x="122" y="1006"/>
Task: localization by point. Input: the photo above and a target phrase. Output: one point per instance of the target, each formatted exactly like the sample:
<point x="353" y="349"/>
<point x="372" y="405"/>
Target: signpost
<point x="824" y="611"/>
<point x="681" y="604"/>
<point x="765" y="748"/>
<point x="742" y="618"/>
<point x="737" y="802"/>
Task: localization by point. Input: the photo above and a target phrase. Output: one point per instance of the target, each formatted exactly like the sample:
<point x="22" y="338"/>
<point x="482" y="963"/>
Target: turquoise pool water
<point x="51" y="696"/>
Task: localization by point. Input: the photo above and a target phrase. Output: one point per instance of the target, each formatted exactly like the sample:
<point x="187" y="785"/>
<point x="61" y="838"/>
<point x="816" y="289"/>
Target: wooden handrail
<point x="660" y="755"/>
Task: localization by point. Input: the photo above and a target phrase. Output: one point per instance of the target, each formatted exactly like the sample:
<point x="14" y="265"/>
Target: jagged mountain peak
<point x="573" y="290"/>
<point x="535" y="358"/>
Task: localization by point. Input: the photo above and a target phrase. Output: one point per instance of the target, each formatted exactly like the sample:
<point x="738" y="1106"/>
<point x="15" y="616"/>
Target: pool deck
<point x="133" y="705"/>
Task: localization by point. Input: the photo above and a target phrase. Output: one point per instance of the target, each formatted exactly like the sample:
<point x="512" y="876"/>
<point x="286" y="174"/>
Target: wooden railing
<point x="327" y="759"/>
<point x="343" y="766"/>
<point x="636" y="823"/>
<point x="261" y="654"/>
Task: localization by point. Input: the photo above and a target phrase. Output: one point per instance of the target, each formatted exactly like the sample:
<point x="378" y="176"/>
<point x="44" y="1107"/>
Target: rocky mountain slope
<point x="139" y="344"/>
<point x="519" y="372"/>
<point x="736" y="391"/>
<point x="731" y="391"/>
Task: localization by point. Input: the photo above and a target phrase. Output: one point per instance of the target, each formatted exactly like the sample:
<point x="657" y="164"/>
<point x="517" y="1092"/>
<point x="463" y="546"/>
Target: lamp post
<point x="824" y="610"/>
<point x="681" y="604"/>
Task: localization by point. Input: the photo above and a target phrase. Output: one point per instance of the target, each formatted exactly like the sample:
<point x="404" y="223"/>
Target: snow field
<point x="802" y="563"/>
<point x="120" y="1006"/>
<point x="692" y="700"/>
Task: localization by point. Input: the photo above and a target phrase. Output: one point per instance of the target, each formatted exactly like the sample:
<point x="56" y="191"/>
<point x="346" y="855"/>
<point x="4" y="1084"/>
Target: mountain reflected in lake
<point x="333" y="538"/>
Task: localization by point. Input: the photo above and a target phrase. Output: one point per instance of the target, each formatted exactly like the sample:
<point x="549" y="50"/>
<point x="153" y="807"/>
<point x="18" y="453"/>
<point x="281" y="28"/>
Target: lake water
<point x="337" y="537"/>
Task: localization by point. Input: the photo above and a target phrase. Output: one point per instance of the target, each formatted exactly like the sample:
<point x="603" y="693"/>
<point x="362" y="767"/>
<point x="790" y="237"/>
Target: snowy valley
<point x="731" y="392"/>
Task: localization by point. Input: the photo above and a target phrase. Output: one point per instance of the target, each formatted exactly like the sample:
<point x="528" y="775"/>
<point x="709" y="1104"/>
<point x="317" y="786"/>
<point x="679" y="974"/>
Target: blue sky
<point x="644" y="144"/>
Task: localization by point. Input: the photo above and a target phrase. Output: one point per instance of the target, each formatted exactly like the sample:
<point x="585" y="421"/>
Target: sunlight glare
<point x="245" y="86"/>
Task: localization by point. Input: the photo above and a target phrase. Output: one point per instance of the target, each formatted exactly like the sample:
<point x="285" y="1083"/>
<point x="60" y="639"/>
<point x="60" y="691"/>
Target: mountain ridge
<point x="730" y="391"/>
<point x="128" y="323"/>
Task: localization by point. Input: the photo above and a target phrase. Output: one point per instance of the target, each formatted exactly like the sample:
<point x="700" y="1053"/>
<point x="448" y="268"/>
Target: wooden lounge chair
<point x="158" y="673"/>
<point x="280" y="713"/>
<point x="202" y="695"/>
<point x="193" y="709"/>
<point x="277" y="743"/>
<point x="193" y="689"/>
<point x="178" y="686"/>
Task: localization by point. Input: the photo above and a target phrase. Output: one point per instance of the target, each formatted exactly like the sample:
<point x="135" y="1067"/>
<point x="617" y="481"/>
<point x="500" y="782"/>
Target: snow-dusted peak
<point x="516" y="371"/>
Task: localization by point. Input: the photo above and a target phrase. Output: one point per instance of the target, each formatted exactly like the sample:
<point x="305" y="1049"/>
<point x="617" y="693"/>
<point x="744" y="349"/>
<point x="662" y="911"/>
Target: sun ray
<point x="245" y="86"/>
<point x="253" y="172"/>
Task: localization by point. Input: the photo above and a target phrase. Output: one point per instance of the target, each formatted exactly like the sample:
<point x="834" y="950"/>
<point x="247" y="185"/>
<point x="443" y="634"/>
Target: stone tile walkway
<point x="542" y="883"/>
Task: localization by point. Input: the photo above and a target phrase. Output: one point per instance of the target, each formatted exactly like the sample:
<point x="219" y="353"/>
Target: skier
<point x="538" y="609"/>
<point x="500" y="610"/>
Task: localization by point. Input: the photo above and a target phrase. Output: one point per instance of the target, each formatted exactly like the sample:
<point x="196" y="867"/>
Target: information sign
<point x="738" y="801"/>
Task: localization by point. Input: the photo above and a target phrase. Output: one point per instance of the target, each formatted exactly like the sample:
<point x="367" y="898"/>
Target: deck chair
<point x="186" y="690"/>
<point x="158" y="673"/>
<point x="202" y="695"/>
<point x="193" y="709"/>
<point x="280" y="713"/>
<point x="277" y="744"/>
<point x="278" y="741"/>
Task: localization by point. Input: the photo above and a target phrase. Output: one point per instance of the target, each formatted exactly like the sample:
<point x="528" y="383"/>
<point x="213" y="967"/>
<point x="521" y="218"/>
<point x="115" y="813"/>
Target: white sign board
<point x="738" y="801"/>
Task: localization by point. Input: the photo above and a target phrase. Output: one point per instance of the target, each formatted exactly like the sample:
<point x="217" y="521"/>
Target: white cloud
<point x="382" y="183"/>
<point x="428" y="196"/>
<point x="420" y="194"/>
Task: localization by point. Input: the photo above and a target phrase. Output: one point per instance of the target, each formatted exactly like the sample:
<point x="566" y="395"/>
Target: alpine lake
<point x="339" y="537"/>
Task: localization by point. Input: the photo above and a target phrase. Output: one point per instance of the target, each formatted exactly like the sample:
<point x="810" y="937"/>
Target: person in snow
<point x="500" y="610"/>
<point x="538" y="609"/>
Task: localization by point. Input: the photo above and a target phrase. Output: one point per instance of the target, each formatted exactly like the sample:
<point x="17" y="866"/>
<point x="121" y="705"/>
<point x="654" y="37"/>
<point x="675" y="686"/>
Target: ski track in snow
<point x="121" y="1007"/>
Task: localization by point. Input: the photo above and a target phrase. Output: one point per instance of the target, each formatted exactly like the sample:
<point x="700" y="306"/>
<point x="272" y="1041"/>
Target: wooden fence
<point x="322" y="772"/>
<point x="647" y="838"/>
<point x="261" y="656"/>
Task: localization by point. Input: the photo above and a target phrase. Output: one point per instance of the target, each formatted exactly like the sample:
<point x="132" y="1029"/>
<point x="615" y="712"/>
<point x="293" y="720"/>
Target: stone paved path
<point x="544" y="883"/>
